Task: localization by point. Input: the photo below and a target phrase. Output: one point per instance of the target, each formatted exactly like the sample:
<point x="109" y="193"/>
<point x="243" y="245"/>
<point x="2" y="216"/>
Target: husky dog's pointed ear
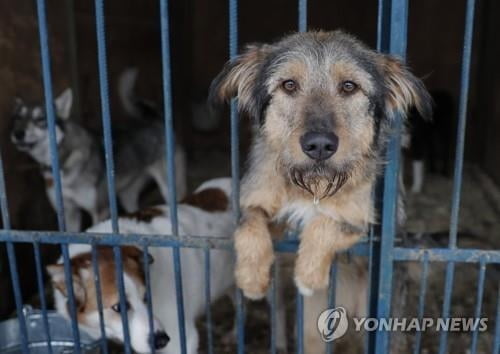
<point x="239" y="78"/>
<point x="404" y="90"/>
<point x="57" y="275"/>
<point x="63" y="104"/>
<point x="18" y="104"/>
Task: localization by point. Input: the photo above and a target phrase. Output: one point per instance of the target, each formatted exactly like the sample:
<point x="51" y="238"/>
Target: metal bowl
<point x="60" y="332"/>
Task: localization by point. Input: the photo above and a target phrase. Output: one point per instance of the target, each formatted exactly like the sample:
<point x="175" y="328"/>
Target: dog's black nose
<point x="19" y="134"/>
<point x="319" y="146"/>
<point x="161" y="340"/>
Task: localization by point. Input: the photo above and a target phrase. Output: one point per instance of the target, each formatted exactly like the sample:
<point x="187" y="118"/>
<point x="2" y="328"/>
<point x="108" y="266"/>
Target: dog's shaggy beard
<point x="319" y="180"/>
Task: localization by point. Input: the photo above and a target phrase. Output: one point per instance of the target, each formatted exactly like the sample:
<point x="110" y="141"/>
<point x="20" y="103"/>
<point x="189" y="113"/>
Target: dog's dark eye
<point x="289" y="86"/>
<point x="116" y="307"/>
<point x="349" y="86"/>
<point x="41" y="122"/>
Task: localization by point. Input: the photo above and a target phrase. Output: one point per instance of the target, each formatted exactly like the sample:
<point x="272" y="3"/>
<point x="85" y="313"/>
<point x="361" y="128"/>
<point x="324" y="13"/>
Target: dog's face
<point x="29" y="124"/>
<point x="87" y="303"/>
<point x="323" y="101"/>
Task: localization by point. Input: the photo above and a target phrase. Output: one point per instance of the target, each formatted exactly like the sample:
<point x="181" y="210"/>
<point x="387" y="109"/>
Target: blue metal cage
<point x="379" y="246"/>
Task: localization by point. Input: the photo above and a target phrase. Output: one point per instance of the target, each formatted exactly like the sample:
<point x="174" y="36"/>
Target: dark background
<point x="199" y="44"/>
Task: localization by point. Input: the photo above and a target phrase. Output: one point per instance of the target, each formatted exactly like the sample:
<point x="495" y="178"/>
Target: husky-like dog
<point x="323" y="103"/>
<point x="138" y="153"/>
<point x="207" y="212"/>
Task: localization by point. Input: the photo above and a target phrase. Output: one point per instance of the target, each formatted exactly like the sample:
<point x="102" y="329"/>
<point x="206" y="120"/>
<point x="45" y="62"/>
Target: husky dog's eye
<point x="116" y="307"/>
<point x="348" y="86"/>
<point x="289" y="86"/>
<point x="41" y="122"/>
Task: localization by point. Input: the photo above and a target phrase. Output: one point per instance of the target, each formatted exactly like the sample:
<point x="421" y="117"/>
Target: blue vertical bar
<point x="11" y="255"/>
<point x="105" y="111"/>
<point x="302" y="15"/>
<point x="49" y="107"/>
<point x="235" y="123"/>
<point x="41" y="292"/>
<point x="373" y="258"/>
<point x="299" y="311"/>
<point x="383" y="38"/>
<point x="208" y="296"/>
<point x="170" y="146"/>
<point x="98" y="291"/>
<point x="421" y="300"/>
<point x="117" y="252"/>
<point x="108" y="149"/>
<point x="383" y="25"/>
<point x="332" y="290"/>
<point x="462" y="118"/>
<point x="71" y="296"/>
<point x="54" y="157"/>
<point x="235" y="168"/>
<point x="496" y="341"/>
<point x="479" y="302"/>
<point x="448" y="290"/>
<point x="4" y="205"/>
<point x="149" y="299"/>
<point x="457" y="178"/>
<point x="398" y="35"/>
<point x="274" y="274"/>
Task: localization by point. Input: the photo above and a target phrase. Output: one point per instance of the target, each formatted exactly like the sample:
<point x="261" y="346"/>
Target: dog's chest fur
<point x="354" y="207"/>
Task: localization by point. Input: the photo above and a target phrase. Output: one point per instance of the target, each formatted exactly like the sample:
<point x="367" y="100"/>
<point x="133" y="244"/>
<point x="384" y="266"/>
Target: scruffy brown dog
<point x="323" y="104"/>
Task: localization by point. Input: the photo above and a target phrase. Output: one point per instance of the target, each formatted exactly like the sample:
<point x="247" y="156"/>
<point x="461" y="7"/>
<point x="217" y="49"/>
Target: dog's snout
<point x="18" y="134"/>
<point x="319" y="146"/>
<point x="161" y="340"/>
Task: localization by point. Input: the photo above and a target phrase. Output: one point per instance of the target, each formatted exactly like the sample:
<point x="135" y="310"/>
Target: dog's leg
<point x="159" y="173"/>
<point x="254" y="253"/>
<point x="129" y="196"/>
<point x="319" y="241"/>
<point x="73" y="216"/>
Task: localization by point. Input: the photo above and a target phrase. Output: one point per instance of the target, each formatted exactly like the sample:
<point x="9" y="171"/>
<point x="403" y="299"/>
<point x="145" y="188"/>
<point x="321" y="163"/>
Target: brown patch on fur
<point x="145" y="215"/>
<point x="210" y="199"/>
<point x="83" y="277"/>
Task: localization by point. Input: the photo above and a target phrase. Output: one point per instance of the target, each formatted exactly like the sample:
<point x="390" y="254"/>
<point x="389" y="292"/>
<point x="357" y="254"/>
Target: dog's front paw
<point x="309" y="278"/>
<point x="253" y="282"/>
<point x="254" y="257"/>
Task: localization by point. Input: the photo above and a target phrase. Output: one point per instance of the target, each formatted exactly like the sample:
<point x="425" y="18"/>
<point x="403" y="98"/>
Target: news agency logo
<point x="333" y="323"/>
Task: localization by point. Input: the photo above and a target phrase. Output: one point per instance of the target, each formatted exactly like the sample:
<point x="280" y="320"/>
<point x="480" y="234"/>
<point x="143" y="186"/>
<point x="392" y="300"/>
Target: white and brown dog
<point x="207" y="212"/>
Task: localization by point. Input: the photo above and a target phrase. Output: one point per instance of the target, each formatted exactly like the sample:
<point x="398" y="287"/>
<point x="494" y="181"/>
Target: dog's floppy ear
<point x="56" y="273"/>
<point x="404" y="90"/>
<point x="239" y="79"/>
<point x="136" y="254"/>
<point x="63" y="104"/>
